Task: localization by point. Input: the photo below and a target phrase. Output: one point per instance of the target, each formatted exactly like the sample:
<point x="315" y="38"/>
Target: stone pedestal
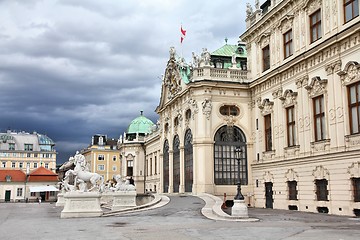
<point x="60" y="200"/>
<point x="81" y="204"/>
<point x="239" y="209"/>
<point x="123" y="199"/>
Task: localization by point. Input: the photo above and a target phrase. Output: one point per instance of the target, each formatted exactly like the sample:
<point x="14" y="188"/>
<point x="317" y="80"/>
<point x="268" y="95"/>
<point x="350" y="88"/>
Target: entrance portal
<point x="7" y="195"/>
<point x="269" y="195"/>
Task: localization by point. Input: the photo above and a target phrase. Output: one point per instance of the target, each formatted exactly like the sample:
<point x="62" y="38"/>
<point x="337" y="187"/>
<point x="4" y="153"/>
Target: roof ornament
<point x="141" y="112"/>
<point x="226" y="40"/>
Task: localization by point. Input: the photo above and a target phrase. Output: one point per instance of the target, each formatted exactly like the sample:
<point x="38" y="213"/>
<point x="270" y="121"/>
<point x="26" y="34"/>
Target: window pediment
<point x="286" y="23"/>
<point x="266" y="106"/>
<point x="311" y="6"/>
<point x="316" y="87"/>
<point x="264" y="40"/>
<point x="350" y="74"/>
<point x="321" y="173"/>
<point x="288" y="98"/>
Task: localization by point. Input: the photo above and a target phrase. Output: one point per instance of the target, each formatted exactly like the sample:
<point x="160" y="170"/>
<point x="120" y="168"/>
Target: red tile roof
<point x="16" y="175"/>
<point x="42" y="174"/>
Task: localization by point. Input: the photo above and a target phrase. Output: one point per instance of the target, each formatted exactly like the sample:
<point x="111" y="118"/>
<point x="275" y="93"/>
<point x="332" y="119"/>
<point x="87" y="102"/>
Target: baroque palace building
<point x="287" y="95"/>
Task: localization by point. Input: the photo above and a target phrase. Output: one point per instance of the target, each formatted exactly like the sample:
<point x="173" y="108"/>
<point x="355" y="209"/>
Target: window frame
<point x="19" y="192"/>
<point x="266" y="57"/>
<point x="356" y="189"/>
<point x="288" y="44"/>
<point x="315" y="26"/>
<point x="99" y="166"/>
<point x="355" y="105"/>
<point x="319" y="116"/>
<point x="292" y="190"/>
<point x="322" y="192"/>
<point x="101" y="157"/>
<point x="268" y="133"/>
<point x="354" y="6"/>
<point x="291" y="126"/>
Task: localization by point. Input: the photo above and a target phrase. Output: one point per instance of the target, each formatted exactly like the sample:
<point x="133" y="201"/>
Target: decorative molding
<point x="350" y="74"/>
<point x="289" y="98"/>
<point x="291" y="175"/>
<point x="268" y="155"/>
<point x="352" y="141"/>
<point x="302" y="81"/>
<point x="321" y="173"/>
<point x="311" y="6"/>
<point x="292" y="151"/>
<point x="206" y="108"/>
<point x="268" y="177"/>
<point x="277" y="93"/>
<point x="266" y="107"/>
<point x="286" y="23"/>
<point x="354" y="170"/>
<point x="264" y="40"/>
<point x="320" y="146"/>
<point x="316" y="87"/>
<point x="193" y="107"/>
<point x="333" y="67"/>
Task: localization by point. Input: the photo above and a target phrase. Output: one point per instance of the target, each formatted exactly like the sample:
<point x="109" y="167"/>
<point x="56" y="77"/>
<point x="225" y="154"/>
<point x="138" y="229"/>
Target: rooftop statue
<point x="83" y="176"/>
<point x="249" y="10"/>
<point x="122" y="185"/>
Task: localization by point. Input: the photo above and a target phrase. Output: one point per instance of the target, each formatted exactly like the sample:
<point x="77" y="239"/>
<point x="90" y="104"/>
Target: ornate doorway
<point x="188" y="150"/>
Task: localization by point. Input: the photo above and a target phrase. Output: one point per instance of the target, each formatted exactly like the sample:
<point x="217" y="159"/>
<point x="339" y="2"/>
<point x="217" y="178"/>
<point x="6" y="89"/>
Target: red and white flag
<point x="183" y="34"/>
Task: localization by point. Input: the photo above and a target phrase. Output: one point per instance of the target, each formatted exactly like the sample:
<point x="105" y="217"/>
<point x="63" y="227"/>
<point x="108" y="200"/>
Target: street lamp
<point x="238" y="155"/>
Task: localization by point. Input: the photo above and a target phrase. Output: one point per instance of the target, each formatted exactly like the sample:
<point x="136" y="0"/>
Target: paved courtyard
<point x="181" y="218"/>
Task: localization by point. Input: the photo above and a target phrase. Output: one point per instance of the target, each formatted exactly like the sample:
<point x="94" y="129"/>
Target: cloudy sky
<point x="74" y="68"/>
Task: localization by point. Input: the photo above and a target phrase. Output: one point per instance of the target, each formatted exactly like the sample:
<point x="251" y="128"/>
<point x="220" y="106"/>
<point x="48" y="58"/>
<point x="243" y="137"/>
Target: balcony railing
<point x="217" y="74"/>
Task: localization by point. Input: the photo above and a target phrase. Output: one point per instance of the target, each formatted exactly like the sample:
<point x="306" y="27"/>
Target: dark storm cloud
<point x="71" y="69"/>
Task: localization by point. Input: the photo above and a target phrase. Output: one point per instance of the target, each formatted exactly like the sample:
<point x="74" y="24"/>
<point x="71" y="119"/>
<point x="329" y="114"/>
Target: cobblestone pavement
<point x="181" y="218"/>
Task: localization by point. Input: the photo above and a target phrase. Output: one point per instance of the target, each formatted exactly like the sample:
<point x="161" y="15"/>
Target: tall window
<point x="21" y="165"/>
<point x="176" y="163"/>
<point x="188" y="160"/>
<point x="35" y="164"/>
<point x="101" y="157"/>
<point x="268" y="137"/>
<point x="351" y="9"/>
<point x="13" y="164"/>
<point x="227" y="138"/>
<point x="290" y="122"/>
<point x="101" y="167"/>
<point x="315" y="26"/>
<point x="129" y="168"/>
<point x="166" y="166"/>
<point x="321" y="190"/>
<point x="150" y="168"/>
<point x="356" y="189"/>
<point x="46" y="165"/>
<point x="12" y="146"/>
<point x="292" y="190"/>
<point x="3" y="164"/>
<point x="266" y="58"/>
<point x="155" y="165"/>
<point x="288" y="45"/>
<point x="354" y="107"/>
<point x="319" y="118"/>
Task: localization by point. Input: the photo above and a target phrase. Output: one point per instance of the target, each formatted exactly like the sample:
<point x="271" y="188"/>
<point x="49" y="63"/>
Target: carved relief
<point x="268" y="177"/>
<point x="316" y="87"/>
<point x="207" y="107"/>
<point x="302" y="81"/>
<point x="268" y="155"/>
<point x="277" y="93"/>
<point x="352" y="141"/>
<point x="266" y="107"/>
<point x="350" y="74"/>
<point x="291" y="151"/>
<point x="264" y="40"/>
<point x="311" y="6"/>
<point x="354" y="170"/>
<point x="321" y="173"/>
<point x="193" y="106"/>
<point x="333" y="67"/>
<point x="286" y="23"/>
<point x="289" y="98"/>
<point x="320" y="146"/>
<point x="291" y="175"/>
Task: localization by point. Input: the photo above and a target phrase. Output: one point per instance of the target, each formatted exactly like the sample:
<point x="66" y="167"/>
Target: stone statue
<point x="233" y="60"/>
<point x="206" y="57"/>
<point x="207" y="106"/>
<point x="172" y="52"/>
<point x="196" y="60"/>
<point x="83" y="176"/>
<point x="257" y="4"/>
<point x="122" y="185"/>
<point x="249" y="10"/>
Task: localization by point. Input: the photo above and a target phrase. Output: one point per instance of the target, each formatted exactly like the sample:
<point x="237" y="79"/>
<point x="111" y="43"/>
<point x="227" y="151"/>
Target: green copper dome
<point x="140" y="124"/>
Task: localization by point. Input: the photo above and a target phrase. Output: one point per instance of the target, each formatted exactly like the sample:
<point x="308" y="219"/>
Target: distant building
<point x="102" y="156"/>
<point x="26" y="151"/>
<point x="17" y="186"/>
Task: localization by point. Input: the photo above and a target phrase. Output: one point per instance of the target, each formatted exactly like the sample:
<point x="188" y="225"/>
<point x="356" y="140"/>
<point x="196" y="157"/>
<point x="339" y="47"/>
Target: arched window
<point x="227" y="138"/>
<point x="188" y="152"/>
<point x="176" y="163"/>
<point x="229" y="110"/>
<point x="188" y="114"/>
<point x="166" y="166"/>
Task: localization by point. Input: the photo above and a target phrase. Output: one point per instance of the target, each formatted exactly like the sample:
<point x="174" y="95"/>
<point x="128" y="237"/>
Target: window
<point x="28" y="147"/>
<point x="33" y="194"/>
<point x="129" y="170"/>
<point x="155" y="165"/>
<point x="35" y="165"/>
<point x="351" y="9"/>
<point x="46" y="165"/>
<point x="288" y="47"/>
<point x="166" y="127"/>
<point x="321" y="190"/>
<point x="3" y="164"/>
<point x="114" y="168"/>
<point x="13" y="164"/>
<point x="229" y="110"/>
<point x="114" y="158"/>
<point x="52" y="193"/>
<point x="354" y="107"/>
<point x="356" y="189"/>
<point x="11" y="146"/>
<point x="227" y="138"/>
<point x="319" y="118"/>
<point x="21" y="165"/>
<point x="101" y="167"/>
<point x="266" y="58"/>
<point x="19" y="192"/>
<point x="150" y="168"/>
<point x="315" y="26"/>
<point x="176" y="122"/>
<point x="290" y="122"/>
<point x="268" y="137"/>
<point x="101" y="157"/>
<point x="28" y="155"/>
<point x="28" y="165"/>
<point x="35" y="155"/>
<point x="292" y="190"/>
